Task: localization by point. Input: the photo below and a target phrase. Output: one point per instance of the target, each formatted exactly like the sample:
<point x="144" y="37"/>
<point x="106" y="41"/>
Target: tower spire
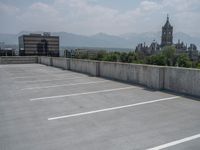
<point x="167" y="33"/>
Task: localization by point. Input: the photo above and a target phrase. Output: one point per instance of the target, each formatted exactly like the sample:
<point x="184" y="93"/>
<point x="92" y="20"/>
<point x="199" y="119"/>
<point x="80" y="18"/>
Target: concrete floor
<point x="46" y="108"/>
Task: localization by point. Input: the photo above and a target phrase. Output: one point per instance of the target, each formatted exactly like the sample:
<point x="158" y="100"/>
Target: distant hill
<point x="129" y="40"/>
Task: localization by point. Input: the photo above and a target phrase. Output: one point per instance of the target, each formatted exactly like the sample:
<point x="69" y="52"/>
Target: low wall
<point x="18" y="59"/>
<point x="150" y="76"/>
<point x="182" y="80"/>
<point x="85" y="66"/>
<point x="60" y="62"/>
<point x="45" y="60"/>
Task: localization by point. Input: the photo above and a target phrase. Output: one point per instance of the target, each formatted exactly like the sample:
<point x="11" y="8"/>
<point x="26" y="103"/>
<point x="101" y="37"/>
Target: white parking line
<point x="50" y="80"/>
<point x="176" y="142"/>
<point x="112" y="108"/>
<point x="85" y="93"/>
<point x="14" y="66"/>
<point x="24" y="77"/>
<point x="70" y="84"/>
<point x="53" y="75"/>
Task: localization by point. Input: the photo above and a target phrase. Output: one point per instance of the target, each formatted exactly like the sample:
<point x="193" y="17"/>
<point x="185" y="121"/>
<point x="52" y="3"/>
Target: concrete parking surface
<point x="46" y="108"/>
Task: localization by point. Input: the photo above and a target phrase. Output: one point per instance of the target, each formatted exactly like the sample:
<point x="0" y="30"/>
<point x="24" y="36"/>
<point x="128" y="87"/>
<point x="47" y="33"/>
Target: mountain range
<point x="128" y="40"/>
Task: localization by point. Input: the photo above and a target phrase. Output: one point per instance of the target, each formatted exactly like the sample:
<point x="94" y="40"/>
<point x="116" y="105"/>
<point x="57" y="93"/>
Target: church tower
<point x="167" y="34"/>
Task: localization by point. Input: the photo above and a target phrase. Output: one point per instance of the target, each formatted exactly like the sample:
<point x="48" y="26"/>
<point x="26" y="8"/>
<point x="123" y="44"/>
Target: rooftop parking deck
<point x="46" y="108"/>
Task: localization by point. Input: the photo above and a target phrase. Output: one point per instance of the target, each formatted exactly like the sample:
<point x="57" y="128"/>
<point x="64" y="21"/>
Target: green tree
<point x="158" y="59"/>
<point x="81" y="56"/>
<point x="198" y="66"/>
<point x="169" y="53"/>
<point x="184" y="61"/>
<point x="112" y="56"/>
<point x="100" y="55"/>
<point x="131" y="57"/>
<point x="123" y="57"/>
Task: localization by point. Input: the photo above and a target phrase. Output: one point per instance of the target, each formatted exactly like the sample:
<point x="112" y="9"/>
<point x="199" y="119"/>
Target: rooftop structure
<point x="47" y="108"/>
<point x="167" y="34"/>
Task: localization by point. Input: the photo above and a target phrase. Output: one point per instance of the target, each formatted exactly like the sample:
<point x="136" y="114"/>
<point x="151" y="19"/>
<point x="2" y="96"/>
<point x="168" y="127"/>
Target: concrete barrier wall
<point x="18" y="59"/>
<point x="60" y="62"/>
<point x="150" y="76"/>
<point x="45" y="60"/>
<point x="85" y="66"/>
<point x="182" y="80"/>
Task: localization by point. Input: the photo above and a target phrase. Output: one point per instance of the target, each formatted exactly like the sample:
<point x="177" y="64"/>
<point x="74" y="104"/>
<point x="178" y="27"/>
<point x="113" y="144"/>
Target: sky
<point x="89" y="17"/>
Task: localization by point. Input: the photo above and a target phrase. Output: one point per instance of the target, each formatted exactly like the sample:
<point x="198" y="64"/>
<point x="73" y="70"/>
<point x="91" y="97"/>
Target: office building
<point x="38" y="44"/>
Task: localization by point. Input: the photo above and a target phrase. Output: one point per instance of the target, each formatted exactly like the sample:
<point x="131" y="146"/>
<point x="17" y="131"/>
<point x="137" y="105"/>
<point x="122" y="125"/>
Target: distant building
<point x="167" y="34"/>
<point x="167" y="40"/>
<point x="7" y="52"/>
<point x="82" y="52"/>
<point x="180" y="47"/>
<point x="69" y="53"/>
<point x="154" y="48"/>
<point x="90" y="52"/>
<point x="193" y="52"/>
<point x="143" y="48"/>
<point x="38" y="44"/>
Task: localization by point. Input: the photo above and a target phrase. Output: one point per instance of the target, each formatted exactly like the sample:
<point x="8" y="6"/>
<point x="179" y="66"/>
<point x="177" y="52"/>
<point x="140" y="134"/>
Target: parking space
<point x="49" y="108"/>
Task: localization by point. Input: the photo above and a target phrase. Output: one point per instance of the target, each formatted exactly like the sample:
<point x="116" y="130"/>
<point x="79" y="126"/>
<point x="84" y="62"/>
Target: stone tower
<point x="167" y="34"/>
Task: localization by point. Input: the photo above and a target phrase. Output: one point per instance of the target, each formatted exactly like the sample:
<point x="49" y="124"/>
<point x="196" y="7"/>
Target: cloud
<point x="185" y="13"/>
<point x="8" y="9"/>
<point x="42" y="8"/>
<point x="182" y="5"/>
<point x="69" y="15"/>
<point x="89" y="17"/>
<point x="39" y="16"/>
<point x="149" y="6"/>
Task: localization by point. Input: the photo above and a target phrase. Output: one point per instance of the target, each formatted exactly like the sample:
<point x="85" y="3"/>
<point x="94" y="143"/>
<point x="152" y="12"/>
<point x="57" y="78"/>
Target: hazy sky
<point x="93" y="16"/>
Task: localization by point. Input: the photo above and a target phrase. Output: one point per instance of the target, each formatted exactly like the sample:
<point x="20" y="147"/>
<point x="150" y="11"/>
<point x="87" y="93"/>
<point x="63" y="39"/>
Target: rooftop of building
<point x="45" y="34"/>
<point x="167" y="24"/>
<point x="50" y="108"/>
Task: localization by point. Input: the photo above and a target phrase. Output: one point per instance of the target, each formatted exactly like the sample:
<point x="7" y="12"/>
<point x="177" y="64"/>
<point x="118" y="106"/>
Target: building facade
<point x="193" y="52"/>
<point x="87" y="52"/>
<point x="167" y="34"/>
<point x="167" y="40"/>
<point x="7" y="52"/>
<point x="38" y="44"/>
